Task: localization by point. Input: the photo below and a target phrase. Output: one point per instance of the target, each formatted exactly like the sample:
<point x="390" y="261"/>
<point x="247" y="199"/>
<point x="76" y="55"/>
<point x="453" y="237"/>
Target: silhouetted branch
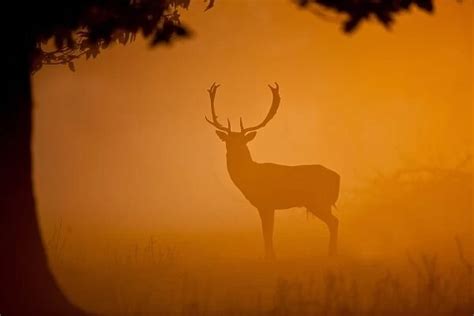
<point x="86" y="28"/>
<point x="359" y="10"/>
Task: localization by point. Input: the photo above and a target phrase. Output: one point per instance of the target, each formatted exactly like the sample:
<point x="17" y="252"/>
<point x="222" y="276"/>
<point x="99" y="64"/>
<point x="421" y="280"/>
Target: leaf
<point x="94" y="51"/>
<point x="58" y="41"/>
<point x="351" y="24"/>
<point x="426" y="5"/>
<point x="181" y="31"/>
<point x="209" y="5"/>
<point x="71" y="66"/>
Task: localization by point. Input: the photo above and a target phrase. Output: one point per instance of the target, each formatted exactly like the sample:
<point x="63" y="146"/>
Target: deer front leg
<point x="268" y="218"/>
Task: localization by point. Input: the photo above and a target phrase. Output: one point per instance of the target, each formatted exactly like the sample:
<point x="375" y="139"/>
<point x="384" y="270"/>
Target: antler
<point x="271" y="112"/>
<point x="212" y="94"/>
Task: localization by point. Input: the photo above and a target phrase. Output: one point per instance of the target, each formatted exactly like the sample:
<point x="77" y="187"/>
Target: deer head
<point x="238" y="140"/>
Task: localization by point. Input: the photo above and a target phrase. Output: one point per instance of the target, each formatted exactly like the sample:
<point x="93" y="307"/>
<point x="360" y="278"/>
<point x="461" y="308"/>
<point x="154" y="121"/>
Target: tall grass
<point x="154" y="277"/>
<point x="156" y="283"/>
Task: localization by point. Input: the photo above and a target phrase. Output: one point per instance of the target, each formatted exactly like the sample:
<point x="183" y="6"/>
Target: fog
<point x="123" y="155"/>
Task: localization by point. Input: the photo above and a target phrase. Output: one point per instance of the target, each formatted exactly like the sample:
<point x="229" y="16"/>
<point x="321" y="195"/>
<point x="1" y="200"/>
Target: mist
<point x="124" y="160"/>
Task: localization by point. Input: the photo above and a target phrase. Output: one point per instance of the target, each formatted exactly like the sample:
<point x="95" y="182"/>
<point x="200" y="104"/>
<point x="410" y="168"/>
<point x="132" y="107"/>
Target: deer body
<point x="271" y="187"/>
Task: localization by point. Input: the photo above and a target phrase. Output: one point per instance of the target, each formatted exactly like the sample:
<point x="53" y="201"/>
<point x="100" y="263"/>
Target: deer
<point x="270" y="187"/>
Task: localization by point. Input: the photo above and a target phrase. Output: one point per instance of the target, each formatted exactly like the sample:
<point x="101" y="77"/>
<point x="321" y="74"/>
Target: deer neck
<point x="239" y="164"/>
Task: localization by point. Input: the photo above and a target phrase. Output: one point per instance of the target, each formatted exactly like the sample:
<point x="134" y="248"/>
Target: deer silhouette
<point x="271" y="187"/>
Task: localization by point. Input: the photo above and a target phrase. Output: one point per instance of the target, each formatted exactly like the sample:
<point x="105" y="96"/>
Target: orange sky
<point x="122" y="141"/>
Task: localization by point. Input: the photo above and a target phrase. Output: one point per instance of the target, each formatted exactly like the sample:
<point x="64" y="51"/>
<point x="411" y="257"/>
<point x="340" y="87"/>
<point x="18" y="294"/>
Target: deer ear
<point x="248" y="137"/>
<point x="222" y="135"/>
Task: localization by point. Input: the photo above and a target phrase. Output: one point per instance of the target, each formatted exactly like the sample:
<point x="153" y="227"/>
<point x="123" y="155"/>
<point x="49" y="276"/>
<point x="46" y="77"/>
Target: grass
<point x="206" y="276"/>
<point x="157" y="280"/>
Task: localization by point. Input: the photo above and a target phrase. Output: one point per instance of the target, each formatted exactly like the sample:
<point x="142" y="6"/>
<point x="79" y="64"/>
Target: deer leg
<point x="268" y="217"/>
<point x="332" y="223"/>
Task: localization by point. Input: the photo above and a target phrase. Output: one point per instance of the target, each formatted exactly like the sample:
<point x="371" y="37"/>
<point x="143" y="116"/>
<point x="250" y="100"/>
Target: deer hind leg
<point x="268" y="218"/>
<point x="324" y="214"/>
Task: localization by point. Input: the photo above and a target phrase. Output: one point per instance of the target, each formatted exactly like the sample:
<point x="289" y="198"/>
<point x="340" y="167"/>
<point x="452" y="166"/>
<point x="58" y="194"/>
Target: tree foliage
<point x="84" y="28"/>
<point x="357" y="11"/>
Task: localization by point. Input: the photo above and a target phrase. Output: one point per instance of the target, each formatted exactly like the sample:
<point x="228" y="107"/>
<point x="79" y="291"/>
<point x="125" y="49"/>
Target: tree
<point x="357" y="11"/>
<point x="82" y="28"/>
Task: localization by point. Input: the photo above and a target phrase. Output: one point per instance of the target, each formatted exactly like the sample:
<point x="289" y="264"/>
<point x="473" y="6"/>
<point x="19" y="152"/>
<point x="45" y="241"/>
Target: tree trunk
<point x="27" y="286"/>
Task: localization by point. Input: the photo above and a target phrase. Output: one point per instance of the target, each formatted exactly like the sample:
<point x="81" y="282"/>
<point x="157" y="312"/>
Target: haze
<point x="121" y="145"/>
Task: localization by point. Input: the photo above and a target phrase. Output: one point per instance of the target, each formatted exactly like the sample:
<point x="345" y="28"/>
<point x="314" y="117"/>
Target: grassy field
<point x="406" y="249"/>
<point x="163" y="281"/>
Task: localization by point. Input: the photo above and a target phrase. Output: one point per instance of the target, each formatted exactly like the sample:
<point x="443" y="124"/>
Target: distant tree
<point x="81" y="28"/>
